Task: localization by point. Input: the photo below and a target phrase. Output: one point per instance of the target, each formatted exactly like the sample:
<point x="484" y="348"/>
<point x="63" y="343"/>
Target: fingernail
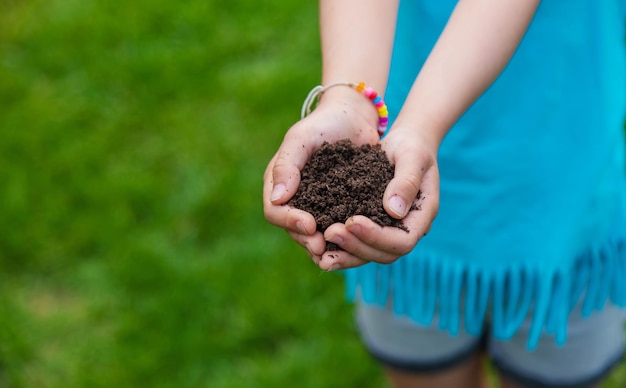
<point x="300" y="227"/>
<point x="278" y="191"/>
<point x="354" y="229"/>
<point x="335" y="267"/>
<point x="336" y="239"/>
<point x="397" y="205"/>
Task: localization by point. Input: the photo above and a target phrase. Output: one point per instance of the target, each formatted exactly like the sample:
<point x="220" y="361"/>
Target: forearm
<point x="357" y="40"/>
<point x="475" y="46"/>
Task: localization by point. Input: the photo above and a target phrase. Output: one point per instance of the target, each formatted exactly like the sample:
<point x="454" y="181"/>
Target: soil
<point x="341" y="180"/>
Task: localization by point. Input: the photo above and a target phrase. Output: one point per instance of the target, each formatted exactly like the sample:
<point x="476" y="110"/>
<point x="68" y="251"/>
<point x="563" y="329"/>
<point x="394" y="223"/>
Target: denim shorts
<point x="595" y="344"/>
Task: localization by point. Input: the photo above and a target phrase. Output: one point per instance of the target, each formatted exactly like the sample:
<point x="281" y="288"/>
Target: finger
<point x="337" y="260"/>
<point x="285" y="216"/>
<point x="367" y="251"/>
<point x="388" y="239"/>
<point x="315" y="246"/>
<point x="314" y="243"/>
<point x="365" y="241"/>
<point x="287" y="164"/>
<point x="389" y="242"/>
<point x="372" y="242"/>
<point x="410" y="166"/>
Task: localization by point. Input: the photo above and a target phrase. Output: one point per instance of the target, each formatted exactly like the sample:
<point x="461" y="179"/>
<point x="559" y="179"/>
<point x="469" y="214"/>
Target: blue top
<point x="533" y="179"/>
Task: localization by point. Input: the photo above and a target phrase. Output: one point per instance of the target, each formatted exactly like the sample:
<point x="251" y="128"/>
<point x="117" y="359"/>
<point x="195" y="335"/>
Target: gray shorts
<point x="594" y="346"/>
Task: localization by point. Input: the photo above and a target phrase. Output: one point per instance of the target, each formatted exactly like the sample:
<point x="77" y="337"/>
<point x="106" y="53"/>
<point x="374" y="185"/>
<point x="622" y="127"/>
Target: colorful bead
<point x="379" y="104"/>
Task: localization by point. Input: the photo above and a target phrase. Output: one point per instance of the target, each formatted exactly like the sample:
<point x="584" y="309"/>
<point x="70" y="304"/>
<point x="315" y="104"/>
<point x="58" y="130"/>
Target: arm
<point x="357" y="38"/>
<point x="357" y="35"/>
<point x="475" y="46"/>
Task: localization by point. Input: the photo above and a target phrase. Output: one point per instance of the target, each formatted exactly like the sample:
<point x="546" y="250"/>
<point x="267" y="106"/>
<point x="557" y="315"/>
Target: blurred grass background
<point x="133" y="248"/>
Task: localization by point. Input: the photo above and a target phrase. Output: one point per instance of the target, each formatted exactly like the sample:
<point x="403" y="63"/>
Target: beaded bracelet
<point x="379" y="103"/>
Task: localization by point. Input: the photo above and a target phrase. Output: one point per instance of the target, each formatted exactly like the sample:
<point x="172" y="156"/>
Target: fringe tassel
<point x="425" y="287"/>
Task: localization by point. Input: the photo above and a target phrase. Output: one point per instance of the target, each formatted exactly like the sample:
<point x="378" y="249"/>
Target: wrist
<point x="359" y="97"/>
<point x="429" y="131"/>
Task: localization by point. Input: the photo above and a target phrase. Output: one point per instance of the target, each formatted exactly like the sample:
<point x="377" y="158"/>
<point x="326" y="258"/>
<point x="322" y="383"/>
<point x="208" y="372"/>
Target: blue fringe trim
<point x="423" y="286"/>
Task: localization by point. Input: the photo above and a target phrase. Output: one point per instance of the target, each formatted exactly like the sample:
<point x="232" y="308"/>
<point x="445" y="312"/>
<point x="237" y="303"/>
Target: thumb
<point x="403" y="188"/>
<point x="285" y="173"/>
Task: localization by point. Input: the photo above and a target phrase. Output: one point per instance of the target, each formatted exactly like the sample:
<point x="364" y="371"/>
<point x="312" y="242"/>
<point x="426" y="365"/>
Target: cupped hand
<point x="341" y="114"/>
<point x="344" y="114"/>
<point x="364" y="241"/>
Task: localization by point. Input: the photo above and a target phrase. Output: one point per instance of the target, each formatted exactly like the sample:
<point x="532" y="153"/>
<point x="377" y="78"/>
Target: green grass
<point x="133" y="248"/>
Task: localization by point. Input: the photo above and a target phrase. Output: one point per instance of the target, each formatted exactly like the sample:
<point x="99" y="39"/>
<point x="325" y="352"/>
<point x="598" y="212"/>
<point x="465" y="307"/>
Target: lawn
<point x="133" y="248"/>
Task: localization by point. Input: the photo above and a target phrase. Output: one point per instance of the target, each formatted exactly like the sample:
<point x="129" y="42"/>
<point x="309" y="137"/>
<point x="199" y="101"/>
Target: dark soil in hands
<point x="341" y="180"/>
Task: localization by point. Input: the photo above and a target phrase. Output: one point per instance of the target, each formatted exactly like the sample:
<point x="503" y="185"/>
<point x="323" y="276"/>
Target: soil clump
<point x="341" y="180"/>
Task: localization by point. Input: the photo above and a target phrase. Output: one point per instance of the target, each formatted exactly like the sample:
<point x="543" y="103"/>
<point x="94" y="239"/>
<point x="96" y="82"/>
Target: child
<point x="510" y="115"/>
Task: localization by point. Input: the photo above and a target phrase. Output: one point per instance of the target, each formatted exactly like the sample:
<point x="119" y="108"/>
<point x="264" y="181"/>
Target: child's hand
<point x="341" y="114"/>
<point x="345" y="114"/>
<point x="362" y="239"/>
